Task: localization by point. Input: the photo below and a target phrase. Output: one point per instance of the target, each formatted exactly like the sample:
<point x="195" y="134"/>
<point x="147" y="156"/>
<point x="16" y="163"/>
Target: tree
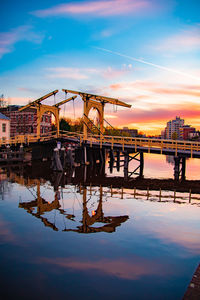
<point x="64" y="125"/>
<point x="174" y="135"/>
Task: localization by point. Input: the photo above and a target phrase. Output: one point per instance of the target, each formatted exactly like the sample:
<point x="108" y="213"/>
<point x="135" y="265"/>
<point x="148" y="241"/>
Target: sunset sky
<point x="144" y="52"/>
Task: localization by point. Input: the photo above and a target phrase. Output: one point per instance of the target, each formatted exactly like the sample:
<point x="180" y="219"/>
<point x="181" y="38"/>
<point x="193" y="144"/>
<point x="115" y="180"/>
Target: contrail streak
<point x="150" y="64"/>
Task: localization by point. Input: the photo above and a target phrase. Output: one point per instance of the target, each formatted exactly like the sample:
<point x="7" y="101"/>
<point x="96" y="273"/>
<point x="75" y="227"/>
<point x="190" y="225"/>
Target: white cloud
<point x="21" y="33"/>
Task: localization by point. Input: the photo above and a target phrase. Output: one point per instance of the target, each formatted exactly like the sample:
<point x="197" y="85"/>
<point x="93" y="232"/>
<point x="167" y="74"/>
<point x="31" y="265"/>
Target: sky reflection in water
<point x="84" y="242"/>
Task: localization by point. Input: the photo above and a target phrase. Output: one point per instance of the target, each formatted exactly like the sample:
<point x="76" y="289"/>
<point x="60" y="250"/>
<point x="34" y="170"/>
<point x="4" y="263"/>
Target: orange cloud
<point x="153" y="121"/>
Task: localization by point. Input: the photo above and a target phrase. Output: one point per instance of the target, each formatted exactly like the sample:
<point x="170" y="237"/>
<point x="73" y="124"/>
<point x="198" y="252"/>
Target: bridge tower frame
<point x="42" y="109"/>
<point x="98" y="102"/>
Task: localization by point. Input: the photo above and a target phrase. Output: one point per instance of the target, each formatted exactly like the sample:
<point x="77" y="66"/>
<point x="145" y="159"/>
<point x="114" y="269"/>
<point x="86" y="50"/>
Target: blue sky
<point x="152" y="62"/>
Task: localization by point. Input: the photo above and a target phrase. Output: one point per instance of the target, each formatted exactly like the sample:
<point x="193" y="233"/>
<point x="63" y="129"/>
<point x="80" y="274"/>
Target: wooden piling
<point x="118" y="160"/>
<point x="126" y="161"/>
<point x="160" y="195"/>
<point x="134" y="191"/>
<point x="148" y="193"/>
<point x="122" y="194"/>
<point x="190" y="195"/>
<point x="141" y="164"/>
<point x="174" y="195"/>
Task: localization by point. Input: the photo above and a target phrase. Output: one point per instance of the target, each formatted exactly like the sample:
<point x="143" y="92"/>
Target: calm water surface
<point x="90" y="242"/>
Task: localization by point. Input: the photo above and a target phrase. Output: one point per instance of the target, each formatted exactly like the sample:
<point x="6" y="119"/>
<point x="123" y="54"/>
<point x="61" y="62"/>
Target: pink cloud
<point x="134" y="84"/>
<point x="184" y="237"/>
<point x="6" y="234"/>
<point x="96" y="8"/>
<point x="186" y="40"/>
<point x="72" y="73"/>
<point x="18" y="100"/>
<point x="156" y="115"/>
<point x="120" y="268"/>
<point x="8" y="39"/>
<point x="176" y="92"/>
<point x="85" y="73"/>
<point x="157" y="88"/>
<point x="111" y="73"/>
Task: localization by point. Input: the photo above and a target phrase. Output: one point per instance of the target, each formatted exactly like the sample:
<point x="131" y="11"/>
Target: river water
<point x="63" y="239"/>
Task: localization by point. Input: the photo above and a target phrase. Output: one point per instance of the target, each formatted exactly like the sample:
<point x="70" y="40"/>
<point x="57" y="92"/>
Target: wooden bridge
<point x="131" y="144"/>
<point x="91" y="145"/>
<point x="91" y="101"/>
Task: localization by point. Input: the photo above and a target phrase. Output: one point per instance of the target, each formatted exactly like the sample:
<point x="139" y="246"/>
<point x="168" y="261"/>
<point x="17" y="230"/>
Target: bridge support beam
<point x="112" y="160"/>
<point x="126" y="162"/>
<point x="138" y="170"/>
<point x="179" y="168"/>
<point x="176" y="167"/>
<point x="183" y="177"/>
<point x="118" y="161"/>
<point x="141" y="164"/>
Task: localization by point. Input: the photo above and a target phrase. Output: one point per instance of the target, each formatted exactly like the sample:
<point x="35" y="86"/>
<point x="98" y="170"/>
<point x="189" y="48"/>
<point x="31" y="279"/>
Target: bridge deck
<point x="131" y="145"/>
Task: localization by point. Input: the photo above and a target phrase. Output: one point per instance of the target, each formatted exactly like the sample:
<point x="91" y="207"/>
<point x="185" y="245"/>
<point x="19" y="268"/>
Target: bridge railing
<point x="133" y="142"/>
<point x="161" y="145"/>
<point x="28" y="138"/>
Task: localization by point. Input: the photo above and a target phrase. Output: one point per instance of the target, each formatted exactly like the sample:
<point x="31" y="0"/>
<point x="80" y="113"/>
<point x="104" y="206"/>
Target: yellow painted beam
<point x="35" y="102"/>
<point x="65" y="101"/>
<point x="98" y="98"/>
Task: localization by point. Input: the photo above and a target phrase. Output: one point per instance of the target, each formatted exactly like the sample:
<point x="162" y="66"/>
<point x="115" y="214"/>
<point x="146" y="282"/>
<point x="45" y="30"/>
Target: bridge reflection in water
<point x="40" y="206"/>
<point x="156" y="225"/>
<point x="91" y="188"/>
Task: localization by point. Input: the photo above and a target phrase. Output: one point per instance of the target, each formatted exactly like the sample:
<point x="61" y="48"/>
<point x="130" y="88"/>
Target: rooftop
<point x="3" y="117"/>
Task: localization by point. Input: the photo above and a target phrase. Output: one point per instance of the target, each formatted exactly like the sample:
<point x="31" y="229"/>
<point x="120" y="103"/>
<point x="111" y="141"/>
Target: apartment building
<point x="173" y="128"/>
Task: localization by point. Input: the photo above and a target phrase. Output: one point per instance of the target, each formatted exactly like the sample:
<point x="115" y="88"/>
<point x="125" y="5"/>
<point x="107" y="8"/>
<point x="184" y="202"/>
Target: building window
<point x="3" y="127"/>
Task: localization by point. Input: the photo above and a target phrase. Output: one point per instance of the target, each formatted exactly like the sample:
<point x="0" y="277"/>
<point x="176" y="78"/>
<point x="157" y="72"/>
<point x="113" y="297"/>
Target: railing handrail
<point x="136" y="142"/>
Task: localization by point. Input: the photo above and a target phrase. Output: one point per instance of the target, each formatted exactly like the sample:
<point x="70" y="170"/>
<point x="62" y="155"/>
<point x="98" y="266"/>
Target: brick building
<point x="176" y="129"/>
<point x="185" y="131"/>
<point x="25" y="122"/>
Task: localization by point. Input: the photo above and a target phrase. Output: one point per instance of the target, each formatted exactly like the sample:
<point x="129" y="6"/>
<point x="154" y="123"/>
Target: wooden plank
<point x="193" y="290"/>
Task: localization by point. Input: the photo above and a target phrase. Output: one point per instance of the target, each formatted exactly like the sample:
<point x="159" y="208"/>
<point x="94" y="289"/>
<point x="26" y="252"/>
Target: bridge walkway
<point x="129" y="144"/>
